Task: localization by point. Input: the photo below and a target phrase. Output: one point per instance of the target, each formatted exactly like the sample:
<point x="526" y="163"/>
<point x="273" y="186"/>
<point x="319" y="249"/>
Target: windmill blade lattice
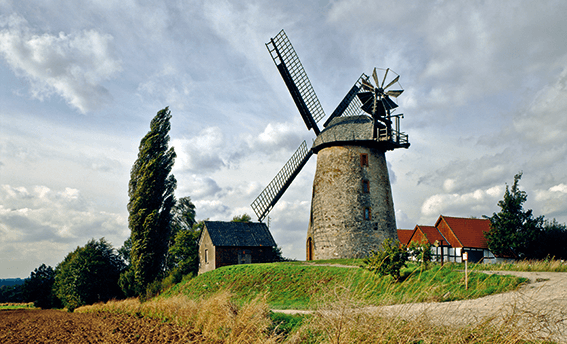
<point x="296" y="80"/>
<point x="350" y="105"/>
<point x="277" y="187"/>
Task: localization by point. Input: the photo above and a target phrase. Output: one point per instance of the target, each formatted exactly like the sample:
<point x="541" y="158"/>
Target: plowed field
<point x="53" y="326"/>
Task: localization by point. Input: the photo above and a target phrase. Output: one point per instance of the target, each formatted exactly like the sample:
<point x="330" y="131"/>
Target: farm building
<point x="404" y="235"/>
<point x="453" y="236"/>
<point x="231" y="243"/>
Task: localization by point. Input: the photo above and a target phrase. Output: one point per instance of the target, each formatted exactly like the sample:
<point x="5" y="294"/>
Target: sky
<point x="485" y="98"/>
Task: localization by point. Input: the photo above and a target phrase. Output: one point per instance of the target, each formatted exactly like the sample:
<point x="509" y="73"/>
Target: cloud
<point x="467" y="204"/>
<point x="553" y="201"/>
<point x="71" y="65"/>
<point x="168" y="86"/>
<point x="40" y="213"/>
<point x="544" y="122"/>
<point x="203" y="153"/>
<point x="212" y="209"/>
<point x="276" y="136"/>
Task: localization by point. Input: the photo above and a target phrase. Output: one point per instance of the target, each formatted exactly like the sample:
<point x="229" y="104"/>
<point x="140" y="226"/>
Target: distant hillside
<point x="11" y="281"/>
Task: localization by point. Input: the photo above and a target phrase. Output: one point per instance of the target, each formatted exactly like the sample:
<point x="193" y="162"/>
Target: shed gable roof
<point x="470" y="232"/>
<point x="239" y="234"/>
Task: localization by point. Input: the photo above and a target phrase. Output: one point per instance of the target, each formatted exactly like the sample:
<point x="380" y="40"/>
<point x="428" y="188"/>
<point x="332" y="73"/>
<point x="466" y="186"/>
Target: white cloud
<point x="71" y="65"/>
<point x="552" y="201"/>
<point x="212" y="209"/>
<point x="468" y="204"/>
<point x="275" y="137"/>
<point x="544" y="122"/>
<point x="203" y="153"/>
<point x="32" y="219"/>
<point x="168" y="86"/>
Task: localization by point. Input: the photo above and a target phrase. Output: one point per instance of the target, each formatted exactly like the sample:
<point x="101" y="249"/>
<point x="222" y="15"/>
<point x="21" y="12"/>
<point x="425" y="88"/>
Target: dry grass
<point x="342" y="318"/>
<point x="214" y="320"/>
<point x="549" y="265"/>
<point x="344" y="321"/>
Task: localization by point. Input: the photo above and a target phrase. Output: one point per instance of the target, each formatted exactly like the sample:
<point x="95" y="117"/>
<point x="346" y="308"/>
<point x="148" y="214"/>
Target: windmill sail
<point x="350" y="105"/>
<point x="275" y="190"/>
<point x="296" y="80"/>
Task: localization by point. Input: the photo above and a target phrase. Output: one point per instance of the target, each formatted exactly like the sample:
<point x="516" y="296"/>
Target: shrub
<point x="389" y="260"/>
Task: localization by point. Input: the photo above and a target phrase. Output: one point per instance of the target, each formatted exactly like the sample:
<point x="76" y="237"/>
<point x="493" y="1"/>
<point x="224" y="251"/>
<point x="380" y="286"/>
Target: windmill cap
<point x="346" y="130"/>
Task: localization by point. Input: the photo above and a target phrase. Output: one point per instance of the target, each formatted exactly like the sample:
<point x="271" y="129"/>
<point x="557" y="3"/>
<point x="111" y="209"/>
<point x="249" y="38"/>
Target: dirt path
<point x="54" y="326"/>
<point x="542" y="303"/>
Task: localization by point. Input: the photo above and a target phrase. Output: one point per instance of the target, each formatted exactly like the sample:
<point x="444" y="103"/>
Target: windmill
<point x="352" y="210"/>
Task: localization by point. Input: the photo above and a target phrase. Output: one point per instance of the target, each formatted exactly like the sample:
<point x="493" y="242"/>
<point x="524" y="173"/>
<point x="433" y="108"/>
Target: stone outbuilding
<point x="231" y="243"/>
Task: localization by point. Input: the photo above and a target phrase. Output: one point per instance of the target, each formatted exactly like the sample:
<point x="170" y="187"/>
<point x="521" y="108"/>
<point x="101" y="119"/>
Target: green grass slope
<point x="303" y="286"/>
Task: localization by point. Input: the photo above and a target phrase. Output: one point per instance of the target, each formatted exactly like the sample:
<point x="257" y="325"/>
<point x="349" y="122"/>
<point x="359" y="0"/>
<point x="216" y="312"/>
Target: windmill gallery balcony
<point x="358" y="129"/>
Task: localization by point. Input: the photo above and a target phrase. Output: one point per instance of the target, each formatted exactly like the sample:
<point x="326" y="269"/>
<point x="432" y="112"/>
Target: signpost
<point x="466" y="259"/>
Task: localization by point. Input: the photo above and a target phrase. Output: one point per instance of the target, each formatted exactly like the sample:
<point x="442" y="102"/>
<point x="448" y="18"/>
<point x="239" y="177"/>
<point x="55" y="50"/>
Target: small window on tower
<point x="365" y="186"/>
<point x="363" y="159"/>
<point x="367" y="214"/>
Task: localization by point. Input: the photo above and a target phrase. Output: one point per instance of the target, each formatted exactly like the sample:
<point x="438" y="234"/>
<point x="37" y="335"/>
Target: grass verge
<point x="6" y="306"/>
<point x="298" y="286"/>
<point x="548" y="265"/>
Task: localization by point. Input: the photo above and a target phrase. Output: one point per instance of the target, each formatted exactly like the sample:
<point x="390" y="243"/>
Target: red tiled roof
<point x="432" y="234"/>
<point x="404" y="235"/>
<point x="470" y="232"/>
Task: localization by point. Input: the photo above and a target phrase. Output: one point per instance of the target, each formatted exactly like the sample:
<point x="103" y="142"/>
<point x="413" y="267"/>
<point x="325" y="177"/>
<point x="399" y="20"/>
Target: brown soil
<point x="55" y="326"/>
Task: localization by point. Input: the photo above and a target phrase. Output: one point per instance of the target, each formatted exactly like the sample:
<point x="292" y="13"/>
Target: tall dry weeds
<point x="216" y="319"/>
<point x="342" y="320"/>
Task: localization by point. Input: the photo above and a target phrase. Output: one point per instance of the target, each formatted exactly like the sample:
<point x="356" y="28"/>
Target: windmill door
<point x="309" y="249"/>
<point x="244" y="257"/>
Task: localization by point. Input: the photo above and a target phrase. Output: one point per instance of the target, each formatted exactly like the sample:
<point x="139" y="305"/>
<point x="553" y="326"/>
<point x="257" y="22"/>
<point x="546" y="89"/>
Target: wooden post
<point x="466" y="259"/>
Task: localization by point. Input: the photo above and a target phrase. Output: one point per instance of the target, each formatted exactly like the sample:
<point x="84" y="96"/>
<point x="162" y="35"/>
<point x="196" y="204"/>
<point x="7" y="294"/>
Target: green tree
<point x="125" y="250"/>
<point x="389" y="260"/>
<point x="38" y="288"/>
<point x="242" y="218"/>
<point x="89" y="274"/>
<point x="553" y="240"/>
<point x="182" y="220"/>
<point x="514" y="231"/>
<point x="151" y="200"/>
<point x="185" y="250"/>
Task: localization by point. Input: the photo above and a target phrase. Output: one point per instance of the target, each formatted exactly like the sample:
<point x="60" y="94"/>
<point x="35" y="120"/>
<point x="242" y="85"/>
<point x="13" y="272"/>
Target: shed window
<point x="363" y="159"/>
<point x="365" y="186"/>
<point x="206" y="256"/>
<point x="367" y="214"/>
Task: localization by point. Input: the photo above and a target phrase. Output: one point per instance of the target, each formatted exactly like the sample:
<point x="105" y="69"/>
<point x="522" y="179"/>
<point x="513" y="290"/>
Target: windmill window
<point x="367" y="214"/>
<point x="365" y="186"/>
<point x="363" y="159"/>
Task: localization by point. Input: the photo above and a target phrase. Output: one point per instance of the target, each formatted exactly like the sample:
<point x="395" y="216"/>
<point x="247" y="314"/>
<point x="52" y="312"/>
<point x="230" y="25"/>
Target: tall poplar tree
<point x="151" y="199"/>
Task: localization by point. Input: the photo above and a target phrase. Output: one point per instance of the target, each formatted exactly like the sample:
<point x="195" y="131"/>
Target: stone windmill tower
<point x="352" y="210"/>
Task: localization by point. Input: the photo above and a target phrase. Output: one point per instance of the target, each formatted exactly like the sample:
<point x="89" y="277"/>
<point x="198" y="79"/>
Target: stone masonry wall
<point x="337" y="225"/>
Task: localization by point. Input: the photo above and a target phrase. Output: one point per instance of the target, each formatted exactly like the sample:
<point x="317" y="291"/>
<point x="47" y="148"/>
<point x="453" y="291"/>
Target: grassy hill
<point x="297" y="285"/>
<point x="232" y="305"/>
